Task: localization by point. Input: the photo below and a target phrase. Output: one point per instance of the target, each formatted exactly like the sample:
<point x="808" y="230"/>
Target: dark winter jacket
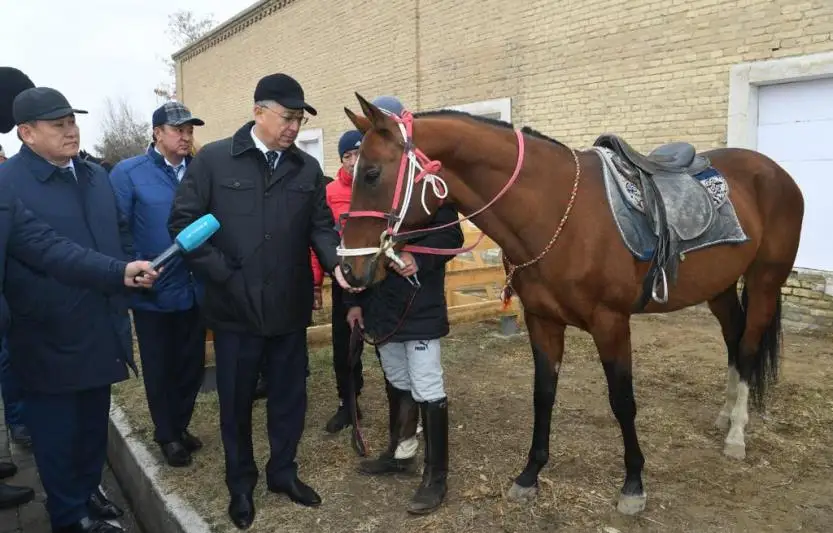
<point x="383" y="305"/>
<point x="256" y="268"/>
<point x="65" y="338"/>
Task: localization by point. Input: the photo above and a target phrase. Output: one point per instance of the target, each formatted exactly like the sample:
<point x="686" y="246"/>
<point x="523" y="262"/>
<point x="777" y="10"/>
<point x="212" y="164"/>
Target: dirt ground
<point x="785" y="483"/>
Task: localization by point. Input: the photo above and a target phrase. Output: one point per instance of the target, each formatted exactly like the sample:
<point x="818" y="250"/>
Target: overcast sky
<point x="94" y="49"/>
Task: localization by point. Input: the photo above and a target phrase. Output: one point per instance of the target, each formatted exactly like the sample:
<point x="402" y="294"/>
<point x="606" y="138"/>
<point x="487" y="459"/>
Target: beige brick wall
<point x="652" y="70"/>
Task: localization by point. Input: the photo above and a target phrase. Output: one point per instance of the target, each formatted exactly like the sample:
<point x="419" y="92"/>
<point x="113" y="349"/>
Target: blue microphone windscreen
<point x="197" y="232"/>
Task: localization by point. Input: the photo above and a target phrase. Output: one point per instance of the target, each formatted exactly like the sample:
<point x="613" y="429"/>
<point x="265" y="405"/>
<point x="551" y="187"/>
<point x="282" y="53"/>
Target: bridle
<point x="415" y="168"/>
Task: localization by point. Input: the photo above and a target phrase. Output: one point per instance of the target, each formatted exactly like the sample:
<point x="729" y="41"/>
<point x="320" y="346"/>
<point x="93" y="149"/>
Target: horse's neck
<point x="479" y="160"/>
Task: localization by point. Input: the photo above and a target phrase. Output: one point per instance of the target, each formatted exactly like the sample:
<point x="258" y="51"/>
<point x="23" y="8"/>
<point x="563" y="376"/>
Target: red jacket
<point x="339" y="192"/>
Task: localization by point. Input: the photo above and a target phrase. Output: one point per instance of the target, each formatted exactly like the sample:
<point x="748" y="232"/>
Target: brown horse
<point x="583" y="276"/>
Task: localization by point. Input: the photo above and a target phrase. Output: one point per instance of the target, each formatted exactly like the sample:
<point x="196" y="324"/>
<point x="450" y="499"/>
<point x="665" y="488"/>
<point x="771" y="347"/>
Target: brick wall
<point x="652" y="70"/>
<point x="808" y="302"/>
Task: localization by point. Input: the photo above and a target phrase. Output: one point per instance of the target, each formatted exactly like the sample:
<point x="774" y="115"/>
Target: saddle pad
<point x="701" y="219"/>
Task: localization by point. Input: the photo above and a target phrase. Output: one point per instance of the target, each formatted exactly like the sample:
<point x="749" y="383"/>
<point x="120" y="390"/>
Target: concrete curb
<point x="137" y="471"/>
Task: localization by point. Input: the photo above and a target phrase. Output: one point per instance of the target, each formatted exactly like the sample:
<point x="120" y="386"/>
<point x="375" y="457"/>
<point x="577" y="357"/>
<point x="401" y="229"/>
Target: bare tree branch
<point x="184" y="28"/>
<point x="123" y="135"/>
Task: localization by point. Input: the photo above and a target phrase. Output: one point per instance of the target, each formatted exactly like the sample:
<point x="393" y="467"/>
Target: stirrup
<point x="660" y="277"/>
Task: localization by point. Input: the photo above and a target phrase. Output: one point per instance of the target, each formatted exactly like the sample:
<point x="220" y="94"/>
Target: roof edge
<point x="237" y="23"/>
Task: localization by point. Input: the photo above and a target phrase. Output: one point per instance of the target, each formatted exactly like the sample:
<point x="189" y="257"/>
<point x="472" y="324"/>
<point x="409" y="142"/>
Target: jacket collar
<point x="345" y="178"/>
<point x="43" y="169"/>
<point x="242" y="142"/>
<point x="159" y="160"/>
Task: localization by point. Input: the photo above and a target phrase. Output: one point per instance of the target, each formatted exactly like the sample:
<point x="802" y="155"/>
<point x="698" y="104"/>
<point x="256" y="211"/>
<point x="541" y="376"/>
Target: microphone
<point x="191" y="238"/>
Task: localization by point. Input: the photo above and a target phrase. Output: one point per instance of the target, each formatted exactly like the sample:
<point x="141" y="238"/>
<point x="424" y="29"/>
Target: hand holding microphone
<point x="189" y="239"/>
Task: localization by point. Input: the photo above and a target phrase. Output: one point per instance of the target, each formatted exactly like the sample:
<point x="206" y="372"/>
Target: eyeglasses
<point x="300" y="119"/>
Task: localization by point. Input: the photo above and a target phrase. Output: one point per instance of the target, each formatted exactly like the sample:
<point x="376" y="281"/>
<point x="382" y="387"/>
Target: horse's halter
<point x="413" y="160"/>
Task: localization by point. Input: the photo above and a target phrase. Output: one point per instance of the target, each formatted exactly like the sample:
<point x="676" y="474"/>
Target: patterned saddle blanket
<point x="697" y="209"/>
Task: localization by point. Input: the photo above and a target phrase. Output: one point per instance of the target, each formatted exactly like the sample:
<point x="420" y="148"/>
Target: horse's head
<point x="389" y="194"/>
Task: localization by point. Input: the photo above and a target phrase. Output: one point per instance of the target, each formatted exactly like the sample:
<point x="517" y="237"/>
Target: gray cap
<point x="41" y="103"/>
<point x="390" y="104"/>
<point x="175" y="114"/>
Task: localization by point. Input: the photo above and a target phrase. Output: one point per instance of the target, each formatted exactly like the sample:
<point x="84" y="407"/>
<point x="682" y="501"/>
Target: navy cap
<point x="175" y="114"/>
<point x="41" y="103"/>
<point x="350" y="140"/>
<point x="391" y="104"/>
<point x="283" y="89"/>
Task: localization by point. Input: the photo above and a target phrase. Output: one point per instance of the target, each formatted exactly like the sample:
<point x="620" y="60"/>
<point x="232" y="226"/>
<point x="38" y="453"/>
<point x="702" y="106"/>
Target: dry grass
<point x="783" y="485"/>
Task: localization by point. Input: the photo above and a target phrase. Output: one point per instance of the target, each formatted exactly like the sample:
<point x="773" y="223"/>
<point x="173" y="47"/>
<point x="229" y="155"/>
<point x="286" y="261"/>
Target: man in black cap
<point x="269" y="198"/>
<point x="169" y="329"/>
<point x="80" y="336"/>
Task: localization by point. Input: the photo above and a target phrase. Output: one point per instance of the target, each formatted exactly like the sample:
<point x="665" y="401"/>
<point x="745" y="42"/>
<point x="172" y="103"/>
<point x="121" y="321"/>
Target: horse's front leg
<point x="612" y="335"/>
<point x="547" y="340"/>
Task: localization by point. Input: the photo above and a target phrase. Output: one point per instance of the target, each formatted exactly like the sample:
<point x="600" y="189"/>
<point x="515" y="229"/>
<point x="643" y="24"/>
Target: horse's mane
<point x="486" y="120"/>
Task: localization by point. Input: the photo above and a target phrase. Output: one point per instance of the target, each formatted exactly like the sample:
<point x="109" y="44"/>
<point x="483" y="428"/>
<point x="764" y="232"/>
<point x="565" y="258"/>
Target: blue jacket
<point x="145" y="187"/>
<point x="64" y="338"/>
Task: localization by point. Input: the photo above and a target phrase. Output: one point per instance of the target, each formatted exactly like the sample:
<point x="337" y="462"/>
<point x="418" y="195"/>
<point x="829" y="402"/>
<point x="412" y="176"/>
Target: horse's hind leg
<point x="612" y="335"/>
<point x="726" y="307"/>
<point x="547" y="339"/>
<point x="758" y="356"/>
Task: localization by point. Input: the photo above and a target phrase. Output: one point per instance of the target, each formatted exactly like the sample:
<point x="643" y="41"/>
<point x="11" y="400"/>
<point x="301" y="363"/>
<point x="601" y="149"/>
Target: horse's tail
<point x="766" y="361"/>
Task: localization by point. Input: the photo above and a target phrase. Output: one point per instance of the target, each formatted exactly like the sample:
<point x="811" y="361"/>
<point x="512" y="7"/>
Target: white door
<point x="312" y="142"/>
<point x="795" y="128"/>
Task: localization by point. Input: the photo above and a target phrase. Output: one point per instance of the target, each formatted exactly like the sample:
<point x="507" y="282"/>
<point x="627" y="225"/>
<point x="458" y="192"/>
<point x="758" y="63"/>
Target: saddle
<point x="678" y="158"/>
<point x="676" y="205"/>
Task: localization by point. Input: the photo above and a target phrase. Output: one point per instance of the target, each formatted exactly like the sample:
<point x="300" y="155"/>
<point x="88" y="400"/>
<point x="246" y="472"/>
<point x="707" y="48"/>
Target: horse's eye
<point x="372" y="175"/>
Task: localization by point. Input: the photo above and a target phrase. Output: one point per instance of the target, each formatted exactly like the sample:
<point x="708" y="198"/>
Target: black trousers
<point x="69" y="441"/>
<point x="285" y="363"/>
<point x="172" y="348"/>
<point x="341" y="347"/>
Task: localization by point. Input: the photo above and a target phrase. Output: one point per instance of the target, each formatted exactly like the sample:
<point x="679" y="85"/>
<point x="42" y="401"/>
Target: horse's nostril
<point x="345" y="268"/>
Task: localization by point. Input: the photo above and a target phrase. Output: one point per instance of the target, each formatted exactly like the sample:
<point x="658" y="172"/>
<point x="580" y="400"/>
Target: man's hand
<point x="354" y="315"/>
<point x="411" y="267"/>
<point x="339" y="277"/>
<point x="317" y="298"/>
<point x="140" y="274"/>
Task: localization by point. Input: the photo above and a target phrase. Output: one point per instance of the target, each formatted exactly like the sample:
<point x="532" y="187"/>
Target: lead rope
<point x="508" y="289"/>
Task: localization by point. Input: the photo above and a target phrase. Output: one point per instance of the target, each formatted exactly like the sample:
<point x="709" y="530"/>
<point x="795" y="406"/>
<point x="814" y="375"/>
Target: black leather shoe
<point x="88" y="525"/>
<point x="299" y="492"/>
<point x="190" y="442"/>
<point x="241" y="510"/>
<point x="7" y="470"/>
<point x="176" y="454"/>
<point x="102" y="508"/>
<point x="11" y="496"/>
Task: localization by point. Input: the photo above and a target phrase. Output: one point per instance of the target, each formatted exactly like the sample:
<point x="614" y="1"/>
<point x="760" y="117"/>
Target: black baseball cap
<point x="41" y="103"/>
<point x="283" y="89"/>
<point x="175" y="114"/>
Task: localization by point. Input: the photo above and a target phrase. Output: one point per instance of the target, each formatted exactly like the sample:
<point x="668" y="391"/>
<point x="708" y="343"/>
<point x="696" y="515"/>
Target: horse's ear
<point x="377" y="117"/>
<point x="362" y="123"/>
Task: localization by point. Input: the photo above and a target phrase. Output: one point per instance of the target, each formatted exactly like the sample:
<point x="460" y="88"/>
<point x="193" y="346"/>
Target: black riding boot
<point x="403" y="416"/>
<point x="432" y="490"/>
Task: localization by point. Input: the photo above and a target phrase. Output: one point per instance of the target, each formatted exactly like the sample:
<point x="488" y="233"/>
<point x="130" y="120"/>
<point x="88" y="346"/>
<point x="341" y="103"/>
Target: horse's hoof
<point x="631" y="504"/>
<point x="735" y="450"/>
<point x="520" y="494"/>
<point x="722" y="422"/>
